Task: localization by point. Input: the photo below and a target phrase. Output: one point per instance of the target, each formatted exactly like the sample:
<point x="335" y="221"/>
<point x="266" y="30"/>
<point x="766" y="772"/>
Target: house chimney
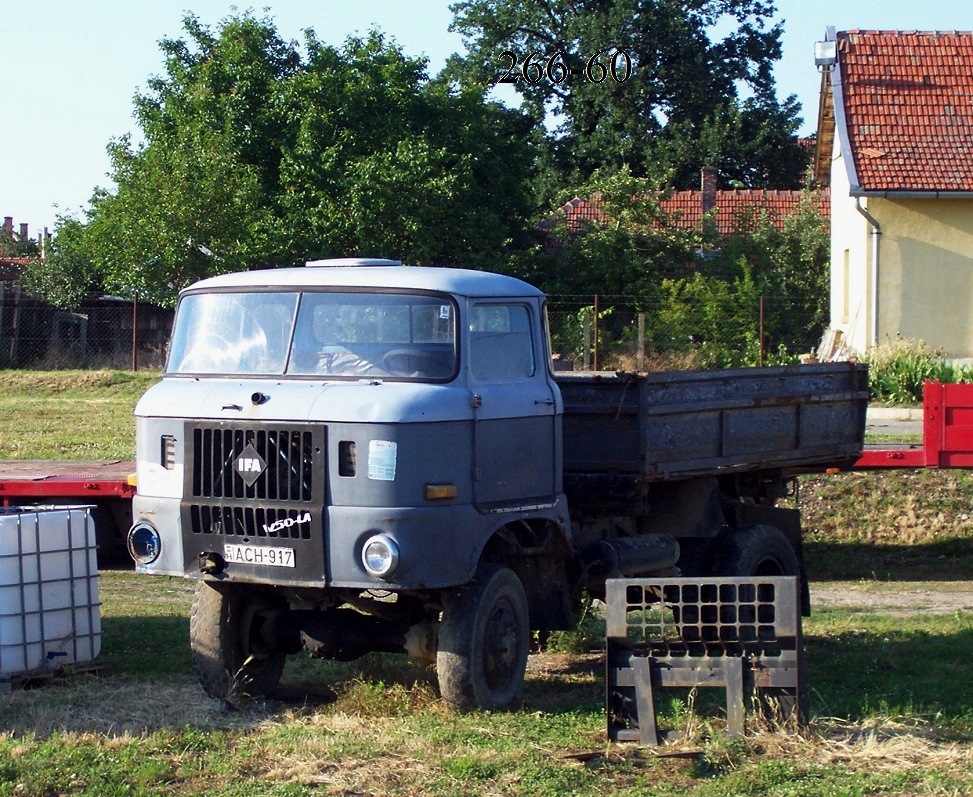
<point x="8" y="225"/>
<point x="708" y="188"/>
<point x="24" y="235"/>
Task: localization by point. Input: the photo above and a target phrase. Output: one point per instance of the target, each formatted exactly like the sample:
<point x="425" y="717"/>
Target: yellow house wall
<point x="926" y="272"/>
<point x="925" y="269"/>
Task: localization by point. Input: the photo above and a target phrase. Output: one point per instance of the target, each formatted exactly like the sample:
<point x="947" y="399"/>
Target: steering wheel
<point x="412" y="362"/>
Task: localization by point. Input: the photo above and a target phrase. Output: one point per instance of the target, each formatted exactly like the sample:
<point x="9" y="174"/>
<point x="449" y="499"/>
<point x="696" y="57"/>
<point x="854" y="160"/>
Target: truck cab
<point x="325" y="433"/>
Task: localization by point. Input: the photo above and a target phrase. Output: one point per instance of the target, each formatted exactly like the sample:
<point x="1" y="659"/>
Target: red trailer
<point x="947" y="434"/>
<point x="107" y="485"/>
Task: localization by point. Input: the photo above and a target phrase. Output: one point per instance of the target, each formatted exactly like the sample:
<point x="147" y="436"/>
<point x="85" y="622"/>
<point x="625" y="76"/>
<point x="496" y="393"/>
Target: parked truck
<point x="360" y="456"/>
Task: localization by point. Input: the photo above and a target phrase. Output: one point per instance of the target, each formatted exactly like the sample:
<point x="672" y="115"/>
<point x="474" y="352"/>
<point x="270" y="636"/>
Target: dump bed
<point x="678" y="424"/>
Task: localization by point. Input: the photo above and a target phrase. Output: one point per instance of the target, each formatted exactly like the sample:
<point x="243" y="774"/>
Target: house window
<point x="845" y="285"/>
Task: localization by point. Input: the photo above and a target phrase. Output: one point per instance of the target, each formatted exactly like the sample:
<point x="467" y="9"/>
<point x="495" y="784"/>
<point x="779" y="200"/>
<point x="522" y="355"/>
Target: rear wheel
<point x="759" y="550"/>
<point x="763" y="550"/>
<point x="484" y="639"/>
<point x="232" y="658"/>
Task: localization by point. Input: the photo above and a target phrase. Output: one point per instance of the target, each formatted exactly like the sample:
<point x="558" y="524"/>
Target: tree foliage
<point x="257" y="152"/>
<point x="700" y="291"/>
<point x="14" y="246"/>
<point x="681" y="106"/>
<point x="625" y="253"/>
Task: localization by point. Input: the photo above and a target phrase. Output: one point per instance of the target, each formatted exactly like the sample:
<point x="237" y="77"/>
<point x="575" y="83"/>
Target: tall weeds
<point x="899" y="368"/>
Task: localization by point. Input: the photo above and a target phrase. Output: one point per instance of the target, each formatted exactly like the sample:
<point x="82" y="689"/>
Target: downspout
<point x="876" y="232"/>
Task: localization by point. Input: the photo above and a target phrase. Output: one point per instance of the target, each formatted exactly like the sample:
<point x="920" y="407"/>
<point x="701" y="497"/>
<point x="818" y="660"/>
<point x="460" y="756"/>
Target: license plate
<point x="258" y="555"/>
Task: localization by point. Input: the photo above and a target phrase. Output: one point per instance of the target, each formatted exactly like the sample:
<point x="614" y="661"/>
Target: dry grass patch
<point x="881" y="745"/>
<point x="115" y="706"/>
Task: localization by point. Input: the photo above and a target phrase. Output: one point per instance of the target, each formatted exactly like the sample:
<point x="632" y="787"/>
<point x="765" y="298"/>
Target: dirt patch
<point x="894" y="597"/>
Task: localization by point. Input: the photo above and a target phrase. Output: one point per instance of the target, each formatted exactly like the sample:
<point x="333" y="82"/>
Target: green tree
<point x="14" y="246"/>
<point x="701" y="292"/>
<point x="256" y="153"/>
<point x="627" y="251"/>
<point x="690" y="60"/>
<point x="789" y="259"/>
<point x="385" y="160"/>
<point x="67" y="274"/>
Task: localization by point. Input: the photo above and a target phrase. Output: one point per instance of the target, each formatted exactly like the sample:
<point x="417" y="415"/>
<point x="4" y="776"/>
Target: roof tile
<point x="907" y="94"/>
<point x="685" y="208"/>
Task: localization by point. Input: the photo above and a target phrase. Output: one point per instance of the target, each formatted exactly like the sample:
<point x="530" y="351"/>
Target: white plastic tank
<point x="50" y="615"/>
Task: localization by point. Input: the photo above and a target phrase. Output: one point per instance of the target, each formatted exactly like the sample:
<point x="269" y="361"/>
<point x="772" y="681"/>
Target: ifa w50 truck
<point x="360" y="456"/>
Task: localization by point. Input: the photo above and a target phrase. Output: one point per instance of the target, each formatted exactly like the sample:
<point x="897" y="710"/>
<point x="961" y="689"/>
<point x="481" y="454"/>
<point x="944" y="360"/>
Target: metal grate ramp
<point x="739" y="634"/>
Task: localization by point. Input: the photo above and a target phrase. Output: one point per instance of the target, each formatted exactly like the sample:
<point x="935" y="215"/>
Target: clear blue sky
<point x="69" y="69"/>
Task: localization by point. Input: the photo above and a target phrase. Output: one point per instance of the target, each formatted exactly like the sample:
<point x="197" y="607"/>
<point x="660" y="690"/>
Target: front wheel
<point x="232" y="658"/>
<point x="484" y="639"/>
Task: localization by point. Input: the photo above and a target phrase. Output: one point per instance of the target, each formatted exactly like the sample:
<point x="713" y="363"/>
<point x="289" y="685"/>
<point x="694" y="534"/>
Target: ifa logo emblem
<point x="249" y="465"/>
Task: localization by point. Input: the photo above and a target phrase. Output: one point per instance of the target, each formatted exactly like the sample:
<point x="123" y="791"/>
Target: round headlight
<point x="380" y="555"/>
<point x="144" y="543"/>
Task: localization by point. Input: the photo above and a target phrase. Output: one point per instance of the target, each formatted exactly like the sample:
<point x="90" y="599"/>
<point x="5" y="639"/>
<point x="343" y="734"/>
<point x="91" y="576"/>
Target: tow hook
<point x="212" y="564"/>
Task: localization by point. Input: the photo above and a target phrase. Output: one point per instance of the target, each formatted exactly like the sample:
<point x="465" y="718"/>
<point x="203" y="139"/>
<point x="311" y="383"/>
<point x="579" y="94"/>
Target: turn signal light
<point x="439" y="492"/>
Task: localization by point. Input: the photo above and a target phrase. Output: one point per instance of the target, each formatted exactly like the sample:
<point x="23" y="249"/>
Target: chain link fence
<point x="587" y="333"/>
<point x="102" y="333"/>
<point x="614" y="333"/>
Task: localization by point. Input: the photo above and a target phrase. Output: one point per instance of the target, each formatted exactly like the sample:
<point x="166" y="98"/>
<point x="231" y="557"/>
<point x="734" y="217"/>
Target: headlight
<point x="144" y="543"/>
<point x="380" y="555"/>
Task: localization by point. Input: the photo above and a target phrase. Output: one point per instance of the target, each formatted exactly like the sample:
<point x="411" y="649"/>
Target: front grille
<point x="241" y="462"/>
<point x="248" y="521"/>
<point x="261" y="485"/>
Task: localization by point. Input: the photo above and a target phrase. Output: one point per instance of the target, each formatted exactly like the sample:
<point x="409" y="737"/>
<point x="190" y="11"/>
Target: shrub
<point x="899" y="368"/>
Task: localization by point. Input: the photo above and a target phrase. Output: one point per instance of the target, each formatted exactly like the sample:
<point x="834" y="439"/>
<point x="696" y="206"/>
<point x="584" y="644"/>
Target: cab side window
<point x="501" y="342"/>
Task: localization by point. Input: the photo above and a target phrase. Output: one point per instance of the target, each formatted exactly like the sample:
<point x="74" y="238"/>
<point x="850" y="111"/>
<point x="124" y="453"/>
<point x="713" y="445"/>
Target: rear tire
<point x="763" y="550"/>
<point x="759" y="550"/>
<point x="232" y="660"/>
<point x="484" y="639"/>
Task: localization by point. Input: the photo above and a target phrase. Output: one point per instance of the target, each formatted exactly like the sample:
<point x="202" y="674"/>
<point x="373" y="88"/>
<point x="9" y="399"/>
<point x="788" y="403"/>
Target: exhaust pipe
<point x="628" y="556"/>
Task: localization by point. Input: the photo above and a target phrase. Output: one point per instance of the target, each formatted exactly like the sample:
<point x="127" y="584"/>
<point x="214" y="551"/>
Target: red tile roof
<point x="908" y="108"/>
<point x="685" y="208"/>
<point x="11" y="268"/>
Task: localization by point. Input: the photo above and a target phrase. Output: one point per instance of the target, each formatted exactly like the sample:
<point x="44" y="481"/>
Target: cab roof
<point x="459" y="282"/>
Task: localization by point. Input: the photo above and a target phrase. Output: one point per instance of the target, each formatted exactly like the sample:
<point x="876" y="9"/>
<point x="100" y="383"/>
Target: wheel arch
<point x="538" y="550"/>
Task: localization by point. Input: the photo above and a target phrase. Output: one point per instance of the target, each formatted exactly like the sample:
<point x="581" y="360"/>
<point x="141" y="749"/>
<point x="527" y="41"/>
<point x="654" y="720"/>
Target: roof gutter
<point x="876" y="232"/>
<point x="858" y="191"/>
<point x="841" y="121"/>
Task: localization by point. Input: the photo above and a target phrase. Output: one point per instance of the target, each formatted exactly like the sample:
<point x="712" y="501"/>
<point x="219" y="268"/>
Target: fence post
<point x="586" y="340"/>
<point x="640" y="354"/>
<point x="761" y="332"/>
<point x="15" y="330"/>
<point x="135" y="327"/>
<point x="596" y="334"/>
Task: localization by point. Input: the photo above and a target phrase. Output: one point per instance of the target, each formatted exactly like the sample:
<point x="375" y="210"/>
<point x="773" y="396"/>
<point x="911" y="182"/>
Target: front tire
<point x="232" y="659"/>
<point x="484" y="639"/>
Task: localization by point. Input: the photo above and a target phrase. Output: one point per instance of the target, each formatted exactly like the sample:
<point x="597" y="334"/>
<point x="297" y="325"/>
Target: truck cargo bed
<point x="678" y="424"/>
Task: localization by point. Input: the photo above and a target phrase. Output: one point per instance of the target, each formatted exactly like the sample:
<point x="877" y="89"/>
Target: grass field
<point x="891" y="691"/>
<point x="69" y="414"/>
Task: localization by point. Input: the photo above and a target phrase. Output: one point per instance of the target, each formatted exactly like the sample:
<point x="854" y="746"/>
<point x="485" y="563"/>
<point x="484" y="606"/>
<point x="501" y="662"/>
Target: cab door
<point x="515" y="405"/>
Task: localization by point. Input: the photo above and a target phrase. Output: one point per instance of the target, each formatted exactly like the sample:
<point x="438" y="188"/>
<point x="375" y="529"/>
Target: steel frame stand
<point x="740" y="634"/>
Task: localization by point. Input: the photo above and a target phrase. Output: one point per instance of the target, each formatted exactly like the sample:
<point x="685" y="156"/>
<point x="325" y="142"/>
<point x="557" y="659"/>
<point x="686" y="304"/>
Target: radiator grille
<point x="254" y="463"/>
<point x="246" y="521"/>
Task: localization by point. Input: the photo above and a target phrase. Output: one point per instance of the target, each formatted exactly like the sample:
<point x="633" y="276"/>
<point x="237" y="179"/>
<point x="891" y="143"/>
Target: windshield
<point x="359" y="335"/>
